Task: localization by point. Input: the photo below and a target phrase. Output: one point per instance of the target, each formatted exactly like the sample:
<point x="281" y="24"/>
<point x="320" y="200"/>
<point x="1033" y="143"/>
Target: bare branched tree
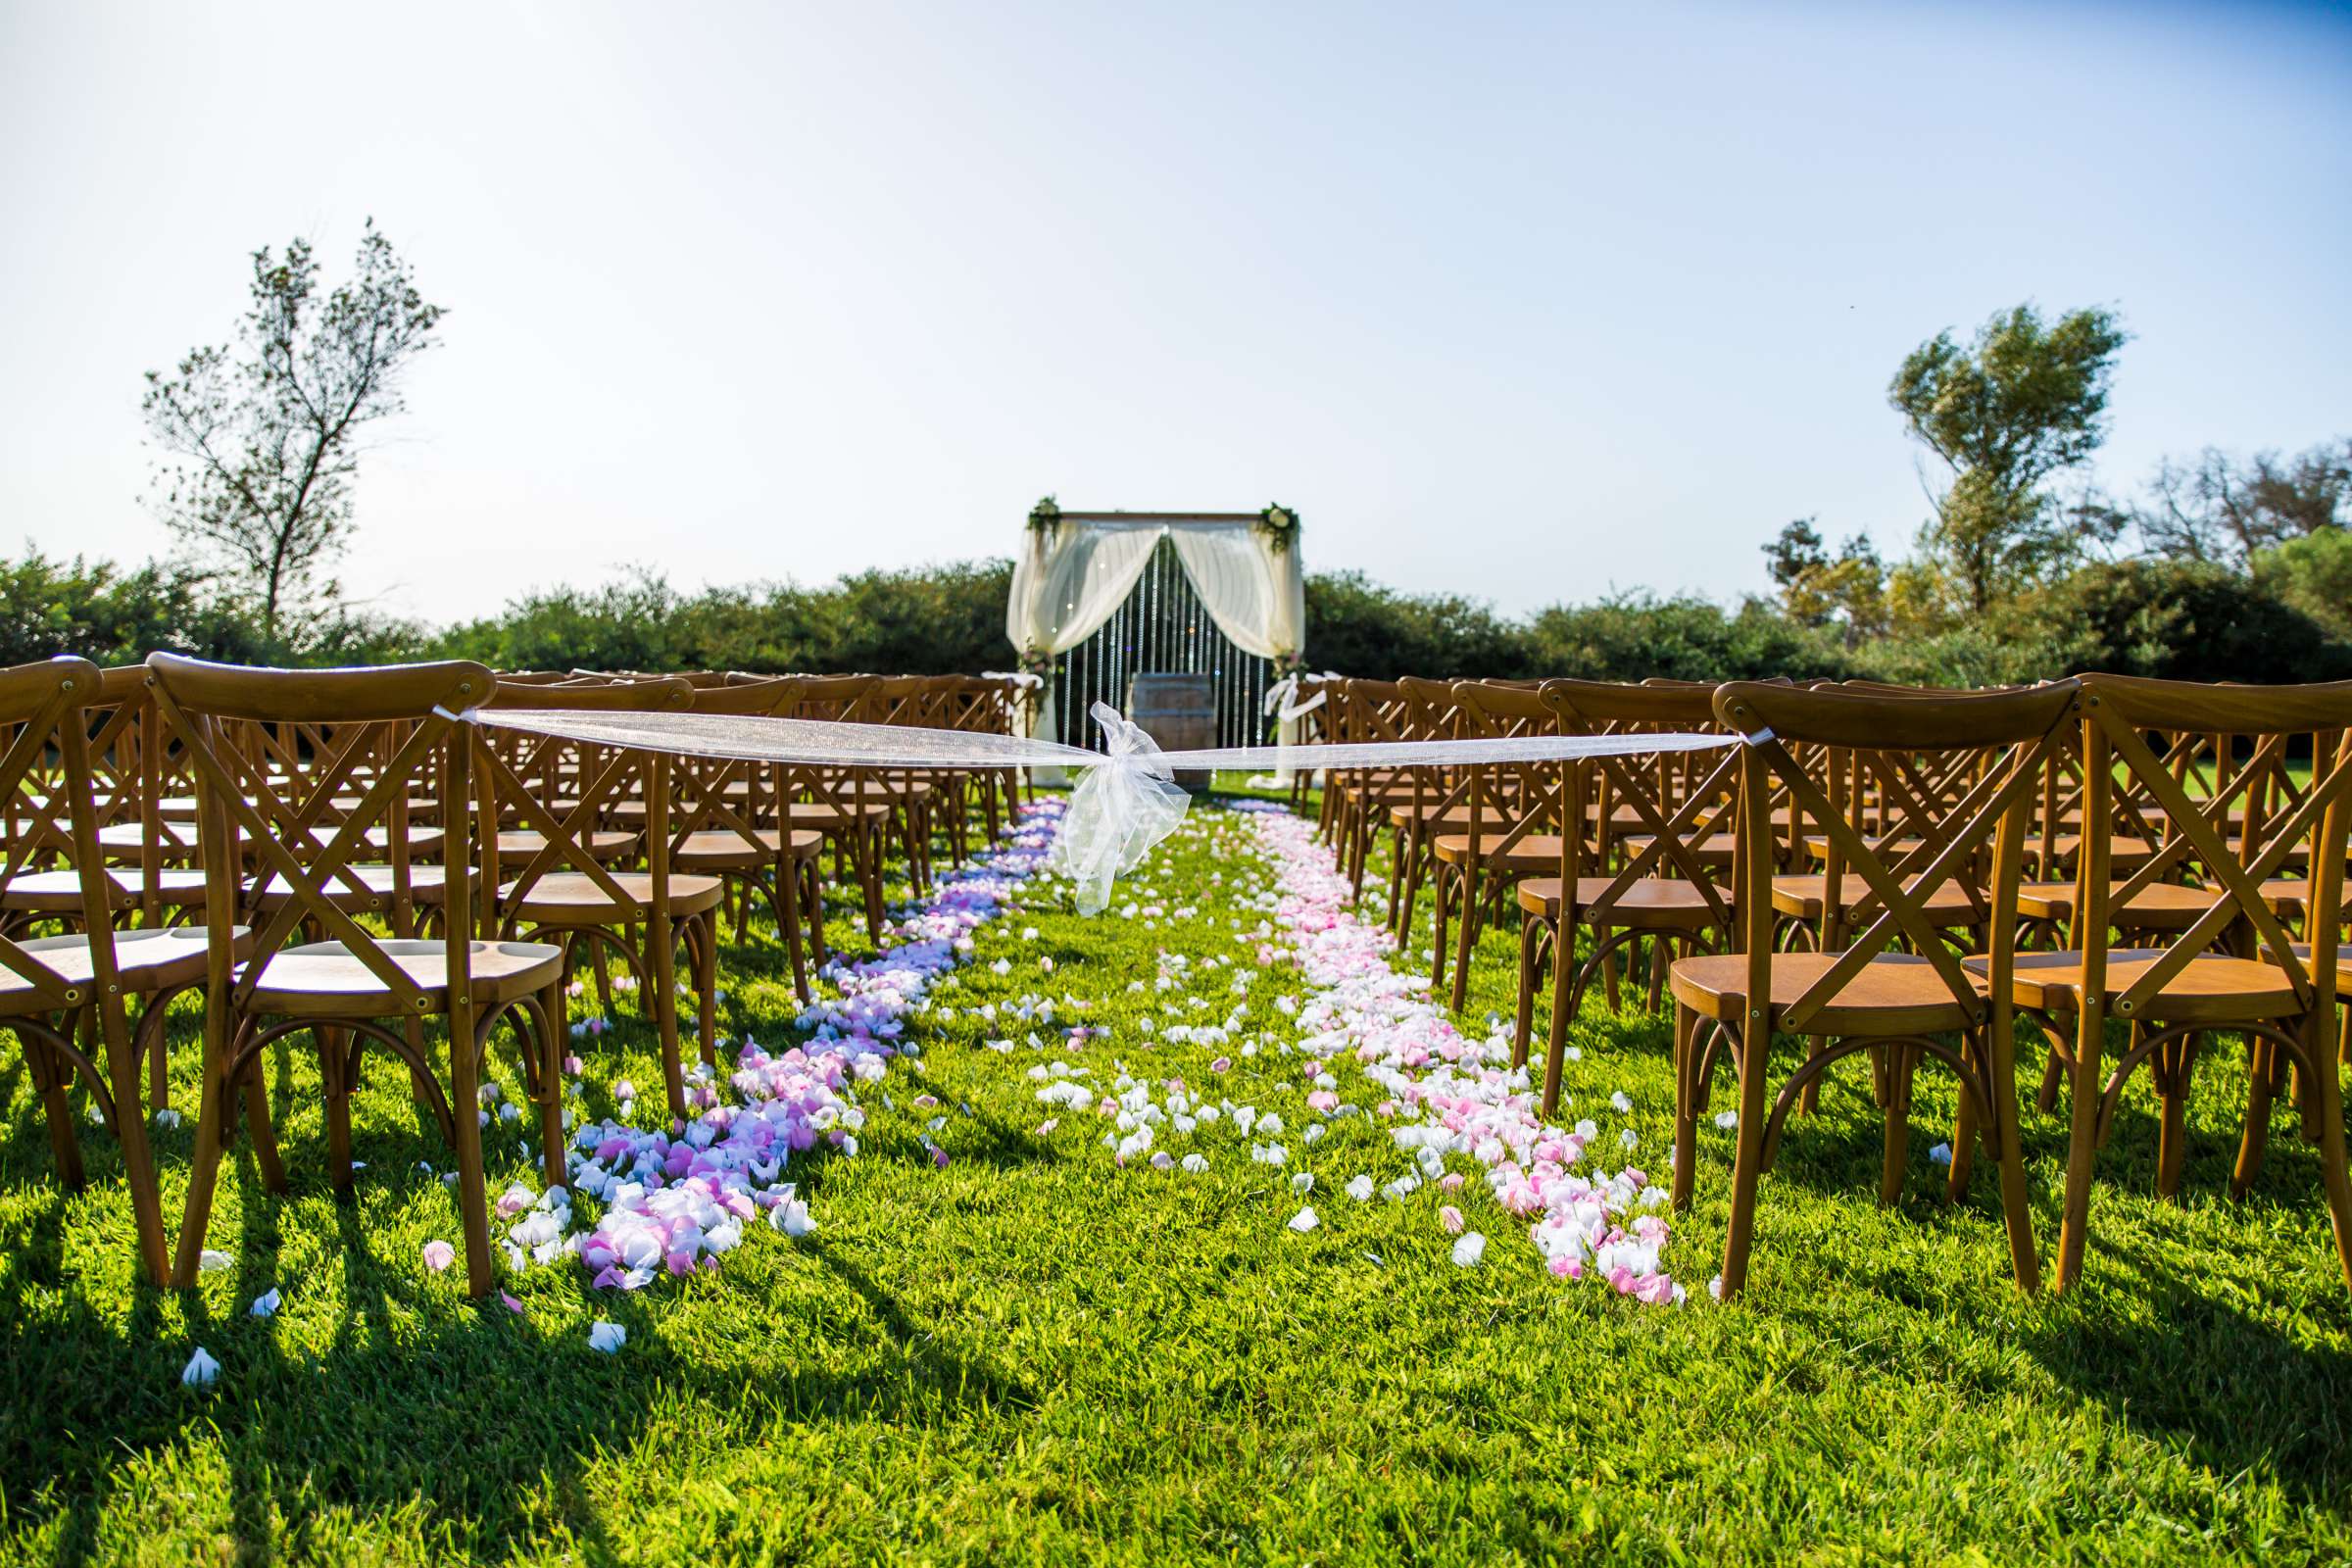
<point x="263" y="437"/>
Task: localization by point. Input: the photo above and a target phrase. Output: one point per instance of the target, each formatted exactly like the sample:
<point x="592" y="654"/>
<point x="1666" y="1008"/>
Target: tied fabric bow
<point x="1284" y="693"/>
<point x="1119" y="811"/>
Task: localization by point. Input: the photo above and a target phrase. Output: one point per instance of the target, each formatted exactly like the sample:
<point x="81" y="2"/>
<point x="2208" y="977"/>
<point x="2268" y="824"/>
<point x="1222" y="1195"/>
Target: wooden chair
<point x="67" y="998"/>
<point x="1502" y="815"/>
<point x="733" y="825"/>
<point x="1900" y="1008"/>
<point x="2236" y="968"/>
<point x="347" y="988"/>
<point x="1655" y="887"/>
<point x="565" y="893"/>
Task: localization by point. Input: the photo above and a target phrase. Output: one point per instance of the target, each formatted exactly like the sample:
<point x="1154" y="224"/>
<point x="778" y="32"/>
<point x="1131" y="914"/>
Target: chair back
<point x="2278" y="819"/>
<point x="319" y="722"/>
<point x="1891" y="737"/>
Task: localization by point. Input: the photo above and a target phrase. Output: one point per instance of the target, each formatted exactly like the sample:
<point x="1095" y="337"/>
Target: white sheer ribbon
<point x="1125" y="805"/>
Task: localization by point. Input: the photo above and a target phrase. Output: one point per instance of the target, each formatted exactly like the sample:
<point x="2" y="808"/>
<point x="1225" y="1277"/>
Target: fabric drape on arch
<point x="1073" y="575"/>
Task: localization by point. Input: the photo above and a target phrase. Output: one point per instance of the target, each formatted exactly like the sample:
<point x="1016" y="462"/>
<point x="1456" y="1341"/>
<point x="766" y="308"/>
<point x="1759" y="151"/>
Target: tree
<point x="1795" y="553"/>
<point x="2019" y="403"/>
<point x="2213" y="507"/>
<point x="263" y="437"/>
<point x="1818" y="589"/>
<point x="2312" y="573"/>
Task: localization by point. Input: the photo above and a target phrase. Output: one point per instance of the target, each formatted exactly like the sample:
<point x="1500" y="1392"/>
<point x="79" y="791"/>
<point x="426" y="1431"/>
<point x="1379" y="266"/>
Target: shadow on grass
<point x="2203" y="1374"/>
<point x="472" y="1417"/>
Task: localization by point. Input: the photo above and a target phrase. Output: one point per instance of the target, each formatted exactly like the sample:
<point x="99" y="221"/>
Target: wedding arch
<point x="1099" y="596"/>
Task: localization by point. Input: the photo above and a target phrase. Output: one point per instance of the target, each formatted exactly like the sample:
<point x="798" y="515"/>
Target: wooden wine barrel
<point x="1180" y="714"/>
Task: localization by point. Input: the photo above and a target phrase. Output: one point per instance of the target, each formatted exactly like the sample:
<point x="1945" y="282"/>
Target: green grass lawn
<point x="1033" y="1355"/>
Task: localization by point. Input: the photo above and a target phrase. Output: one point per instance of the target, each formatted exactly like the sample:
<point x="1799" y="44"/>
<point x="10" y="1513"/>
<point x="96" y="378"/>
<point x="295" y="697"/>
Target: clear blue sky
<point x="1526" y="302"/>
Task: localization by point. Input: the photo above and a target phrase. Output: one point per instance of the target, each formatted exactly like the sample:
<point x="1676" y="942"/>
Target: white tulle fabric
<point x="1127" y="799"/>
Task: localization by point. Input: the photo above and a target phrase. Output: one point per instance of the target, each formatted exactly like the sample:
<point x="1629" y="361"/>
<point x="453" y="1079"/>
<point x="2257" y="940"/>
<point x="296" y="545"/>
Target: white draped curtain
<point x="1072" y="576"/>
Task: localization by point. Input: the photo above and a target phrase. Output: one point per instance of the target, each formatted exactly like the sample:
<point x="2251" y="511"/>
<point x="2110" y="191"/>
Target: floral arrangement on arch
<point x="1280" y="525"/>
<point x="1046" y="516"/>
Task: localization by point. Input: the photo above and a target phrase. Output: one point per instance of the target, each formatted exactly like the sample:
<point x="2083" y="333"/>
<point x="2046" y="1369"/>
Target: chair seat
<point x="1652" y="902"/>
<point x="726" y="848"/>
<point x="830" y="815"/>
<point x="2123" y="852"/>
<point x="1537" y="851"/>
<point x="881" y="789"/>
<point x="132" y="838"/>
<point x="425" y="887"/>
<point x="1803" y="896"/>
<point x="323" y="979"/>
<point x="2164" y="907"/>
<point x="1895" y="994"/>
<point x="1455" y="818"/>
<point x="60" y="892"/>
<point x="1715" y="852"/>
<point x="2344" y="965"/>
<point x="573" y="897"/>
<point x="2212" y="989"/>
<point x="516" y="845"/>
<point x="155" y="959"/>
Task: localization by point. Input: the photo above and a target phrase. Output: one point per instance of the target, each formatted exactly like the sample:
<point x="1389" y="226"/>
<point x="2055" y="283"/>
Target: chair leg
<point x="2053" y="1073"/>
<point x="2327" y="1092"/>
<point x="550" y="1016"/>
<point x="2172" y="1068"/>
<point x="2082" y="1148"/>
<point x="2262" y="1081"/>
<point x="2010" y="1155"/>
<point x="1531" y="964"/>
<point x="1896" y="1065"/>
<point x="1566" y="994"/>
<point x="148" y="1038"/>
<point x="257" y="1128"/>
<point x="704" y="954"/>
<point x="204" y="1167"/>
<point x="1749" y="1160"/>
<point x="1965" y="1130"/>
<point x="333" y="1053"/>
<point x="465" y="1081"/>
<point x="788" y="915"/>
<point x="662" y="975"/>
<point x="1685" y="1105"/>
<point x="52" y="1077"/>
<point x="1439" y="905"/>
<point x="815" y="897"/>
<point x="1468" y="938"/>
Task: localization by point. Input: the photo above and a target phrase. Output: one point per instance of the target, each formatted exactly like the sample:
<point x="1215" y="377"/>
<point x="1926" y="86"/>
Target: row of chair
<point x="336" y="854"/>
<point x="1900" y="873"/>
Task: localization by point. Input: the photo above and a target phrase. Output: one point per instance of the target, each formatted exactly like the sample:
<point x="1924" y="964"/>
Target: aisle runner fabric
<point x="1448" y="1095"/>
<point x="1127" y="800"/>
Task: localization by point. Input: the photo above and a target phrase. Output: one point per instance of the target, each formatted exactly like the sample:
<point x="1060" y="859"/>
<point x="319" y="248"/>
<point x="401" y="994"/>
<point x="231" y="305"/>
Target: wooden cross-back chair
<point x="1900" y="1008"/>
<point x="2237" y="967"/>
<point x="1363" y="711"/>
<point x="1418" y="804"/>
<point x="977" y="706"/>
<point x="345" y="989"/>
<point x="846" y="804"/>
<point x="1661" y="887"/>
<point x="732" y="823"/>
<point x="153" y="883"/>
<point x="1502" y="813"/>
<point x="67" y="998"/>
<point x="565" y="891"/>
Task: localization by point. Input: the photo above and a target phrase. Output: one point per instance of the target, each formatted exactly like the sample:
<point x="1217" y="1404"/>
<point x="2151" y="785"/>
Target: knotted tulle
<point x="1122" y="808"/>
<point x="1127" y="799"/>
